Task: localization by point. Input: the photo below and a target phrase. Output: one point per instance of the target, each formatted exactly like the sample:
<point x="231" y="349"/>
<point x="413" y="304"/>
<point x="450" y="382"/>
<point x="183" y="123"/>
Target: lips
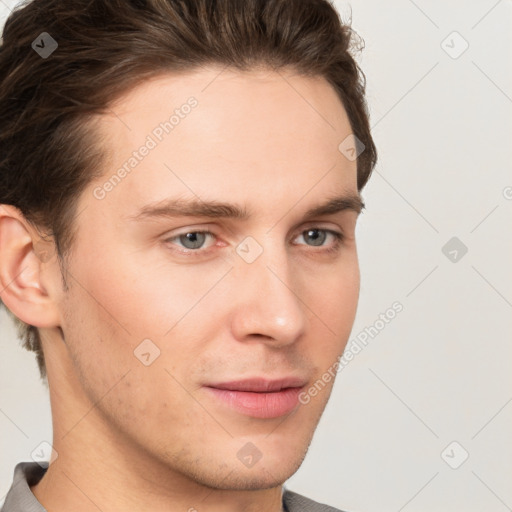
<point x="259" y="385"/>
<point x="258" y="397"/>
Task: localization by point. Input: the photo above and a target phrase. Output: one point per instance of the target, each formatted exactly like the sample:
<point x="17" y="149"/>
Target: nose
<point x="267" y="308"/>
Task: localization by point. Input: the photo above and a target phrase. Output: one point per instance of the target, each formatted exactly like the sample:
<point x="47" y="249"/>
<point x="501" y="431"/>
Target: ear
<point x="28" y="284"/>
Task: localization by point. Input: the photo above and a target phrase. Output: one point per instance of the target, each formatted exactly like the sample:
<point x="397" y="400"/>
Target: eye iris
<point x="194" y="238"/>
<point x="317" y="240"/>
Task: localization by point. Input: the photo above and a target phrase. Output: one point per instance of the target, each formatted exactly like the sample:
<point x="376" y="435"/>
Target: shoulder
<point x="295" y="502"/>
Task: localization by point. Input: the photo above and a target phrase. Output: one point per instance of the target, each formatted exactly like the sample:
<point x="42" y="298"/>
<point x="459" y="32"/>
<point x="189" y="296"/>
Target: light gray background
<point x="441" y="370"/>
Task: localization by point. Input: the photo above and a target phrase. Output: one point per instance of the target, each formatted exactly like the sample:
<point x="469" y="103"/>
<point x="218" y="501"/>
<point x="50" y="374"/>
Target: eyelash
<point x="338" y="240"/>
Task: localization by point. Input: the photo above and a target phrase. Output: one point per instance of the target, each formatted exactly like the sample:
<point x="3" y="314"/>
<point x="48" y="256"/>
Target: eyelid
<point x="319" y="228"/>
<point x="320" y="225"/>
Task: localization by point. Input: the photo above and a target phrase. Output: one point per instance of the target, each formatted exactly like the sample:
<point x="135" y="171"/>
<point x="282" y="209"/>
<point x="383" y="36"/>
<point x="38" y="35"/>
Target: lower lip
<point x="259" y="405"/>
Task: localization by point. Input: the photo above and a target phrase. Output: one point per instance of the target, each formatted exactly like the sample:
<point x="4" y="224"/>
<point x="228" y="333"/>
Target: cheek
<point x="334" y="291"/>
<point x="151" y="296"/>
<point x="346" y="297"/>
<point x="114" y="309"/>
<point x="111" y="371"/>
<point x="97" y="344"/>
<point x="332" y="300"/>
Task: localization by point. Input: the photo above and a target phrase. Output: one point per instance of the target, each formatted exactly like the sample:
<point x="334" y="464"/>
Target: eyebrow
<point x="216" y="209"/>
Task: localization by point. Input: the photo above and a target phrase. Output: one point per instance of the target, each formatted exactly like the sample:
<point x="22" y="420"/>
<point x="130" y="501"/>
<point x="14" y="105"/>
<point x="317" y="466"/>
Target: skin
<point x="135" y="437"/>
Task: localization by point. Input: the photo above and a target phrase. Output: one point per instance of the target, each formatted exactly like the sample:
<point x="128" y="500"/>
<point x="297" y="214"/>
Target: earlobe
<point x="22" y="271"/>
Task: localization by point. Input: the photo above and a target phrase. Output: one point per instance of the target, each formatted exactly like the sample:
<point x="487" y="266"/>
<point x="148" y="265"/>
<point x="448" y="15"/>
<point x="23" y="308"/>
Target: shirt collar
<point x="20" y="498"/>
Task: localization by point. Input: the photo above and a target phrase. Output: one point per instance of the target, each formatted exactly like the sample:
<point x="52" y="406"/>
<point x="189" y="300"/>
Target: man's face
<point x="269" y="296"/>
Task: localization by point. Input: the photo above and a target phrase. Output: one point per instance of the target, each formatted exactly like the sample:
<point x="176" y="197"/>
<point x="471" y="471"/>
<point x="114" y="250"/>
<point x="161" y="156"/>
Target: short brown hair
<point x="48" y="149"/>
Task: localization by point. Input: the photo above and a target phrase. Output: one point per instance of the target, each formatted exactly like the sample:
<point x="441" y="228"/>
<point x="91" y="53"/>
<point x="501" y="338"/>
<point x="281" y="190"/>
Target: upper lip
<point x="260" y="384"/>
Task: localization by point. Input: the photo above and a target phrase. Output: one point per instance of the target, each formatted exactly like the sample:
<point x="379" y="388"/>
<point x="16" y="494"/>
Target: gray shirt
<point x="21" y="499"/>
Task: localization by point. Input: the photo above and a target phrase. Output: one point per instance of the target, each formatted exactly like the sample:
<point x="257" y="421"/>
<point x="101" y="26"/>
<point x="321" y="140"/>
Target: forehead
<point x="260" y="130"/>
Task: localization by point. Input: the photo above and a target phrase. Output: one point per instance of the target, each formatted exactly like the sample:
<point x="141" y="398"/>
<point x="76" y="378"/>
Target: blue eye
<point x="193" y="242"/>
<point x="318" y="237"/>
<point x="192" y="239"/>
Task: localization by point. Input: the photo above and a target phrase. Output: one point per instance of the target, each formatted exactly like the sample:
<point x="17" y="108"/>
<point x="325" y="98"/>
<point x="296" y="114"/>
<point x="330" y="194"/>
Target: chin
<point x="249" y="479"/>
<point x="223" y="470"/>
<point x="266" y="473"/>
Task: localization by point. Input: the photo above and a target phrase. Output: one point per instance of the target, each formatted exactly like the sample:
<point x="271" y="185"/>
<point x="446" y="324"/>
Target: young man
<point x="179" y="188"/>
